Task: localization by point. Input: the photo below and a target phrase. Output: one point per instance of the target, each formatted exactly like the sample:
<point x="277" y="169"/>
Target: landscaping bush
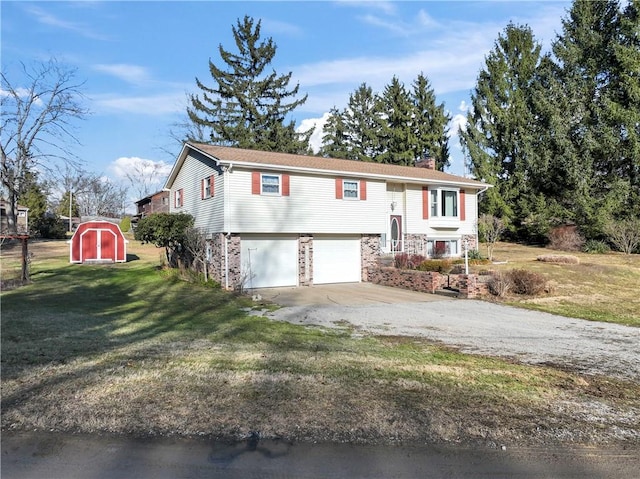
<point x="565" y="238"/>
<point x="526" y="282"/>
<point x="499" y="284"/>
<point x="436" y="265"/>
<point x="558" y="259"/>
<point x="596" y="247"/>
<point x="125" y="224"/>
<point x="408" y="261"/>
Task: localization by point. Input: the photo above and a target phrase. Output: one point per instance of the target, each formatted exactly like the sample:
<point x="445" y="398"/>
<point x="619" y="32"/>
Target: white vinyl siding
<point x="435" y="227"/>
<point x="336" y="259"/>
<point x="208" y="214"/>
<point x="310" y="207"/>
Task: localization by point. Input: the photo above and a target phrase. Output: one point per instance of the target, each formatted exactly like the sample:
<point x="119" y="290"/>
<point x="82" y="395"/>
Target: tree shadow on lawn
<point x="74" y="312"/>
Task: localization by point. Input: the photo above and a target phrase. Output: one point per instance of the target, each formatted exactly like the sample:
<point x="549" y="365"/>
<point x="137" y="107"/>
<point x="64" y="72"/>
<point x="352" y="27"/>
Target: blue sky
<point x="140" y="58"/>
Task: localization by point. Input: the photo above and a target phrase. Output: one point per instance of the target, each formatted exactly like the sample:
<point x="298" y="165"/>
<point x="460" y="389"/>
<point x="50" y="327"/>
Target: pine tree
<point x="335" y="141"/>
<point x="594" y="54"/>
<point x="398" y="141"/>
<point x="362" y="124"/>
<point x="430" y="124"/>
<point x="248" y="105"/>
<point x="497" y="141"/>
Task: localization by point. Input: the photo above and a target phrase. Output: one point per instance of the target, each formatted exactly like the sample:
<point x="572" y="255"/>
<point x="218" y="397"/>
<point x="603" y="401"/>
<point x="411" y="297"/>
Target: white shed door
<point x="336" y="259"/>
<point x="269" y="261"/>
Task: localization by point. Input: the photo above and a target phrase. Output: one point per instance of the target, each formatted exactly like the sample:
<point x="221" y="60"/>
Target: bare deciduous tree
<point x="144" y="176"/>
<point x="624" y="234"/>
<point x="36" y="126"/>
<point x="490" y="228"/>
<point x="195" y="242"/>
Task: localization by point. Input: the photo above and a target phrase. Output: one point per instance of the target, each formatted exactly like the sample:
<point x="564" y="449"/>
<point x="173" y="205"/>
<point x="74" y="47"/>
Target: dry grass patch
<point x="601" y="287"/>
<point x="558" y="258"/>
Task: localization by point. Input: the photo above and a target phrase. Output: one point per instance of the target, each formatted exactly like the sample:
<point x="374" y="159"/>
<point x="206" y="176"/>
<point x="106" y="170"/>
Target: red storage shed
<point x="98" y="242"/>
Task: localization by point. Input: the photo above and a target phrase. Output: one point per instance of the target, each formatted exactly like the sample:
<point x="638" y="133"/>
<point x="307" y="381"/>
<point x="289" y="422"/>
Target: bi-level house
<point x="275" y="219"/>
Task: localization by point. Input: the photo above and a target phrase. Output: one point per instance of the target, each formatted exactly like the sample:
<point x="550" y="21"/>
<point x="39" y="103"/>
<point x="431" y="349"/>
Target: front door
<point x="396" y="233"/>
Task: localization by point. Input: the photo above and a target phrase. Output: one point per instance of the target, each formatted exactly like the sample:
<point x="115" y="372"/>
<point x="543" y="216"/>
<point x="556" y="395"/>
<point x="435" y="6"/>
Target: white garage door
<point x="269" y="261"/>
<point x="336" y="259"/>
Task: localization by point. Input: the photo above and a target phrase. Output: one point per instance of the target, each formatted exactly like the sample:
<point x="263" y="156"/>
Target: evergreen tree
<point x="598" y="57"/>
<point x="63" y="205"/>
<point x="248" y="105"/>
<point x="335" y="141"/>
<point x="362" y="125"/>
<point x="430" y="124"/>
<point x="497" y="140"/>
<point x="622" y="111"/>
<point x="398" y="142"/>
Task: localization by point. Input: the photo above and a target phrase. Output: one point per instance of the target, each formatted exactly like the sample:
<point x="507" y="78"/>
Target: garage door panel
<point x="269" y="262"/>
<point x="336" y="259"/>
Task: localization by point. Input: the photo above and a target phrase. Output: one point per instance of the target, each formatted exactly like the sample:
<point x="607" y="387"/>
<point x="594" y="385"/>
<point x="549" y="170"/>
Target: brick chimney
<point x="429" y="163"/>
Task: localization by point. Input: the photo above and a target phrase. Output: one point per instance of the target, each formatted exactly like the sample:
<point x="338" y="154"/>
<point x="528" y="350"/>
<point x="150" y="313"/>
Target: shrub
<point x="596" y="247"/>
<point x="565" y="238"/>
<point x="527" y="282"/>
<point x="558" y="258"/>
<point x="408" y="261"/>
<point x="125" y="224"/>
<point x="499" y="284"/>
<point x="624" y="234"/>
<point x="474" y="254"/>
<point x="436" y="265"/>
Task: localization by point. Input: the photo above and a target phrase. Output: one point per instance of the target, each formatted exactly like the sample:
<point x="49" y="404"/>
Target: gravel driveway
<point x="490" y="329"/>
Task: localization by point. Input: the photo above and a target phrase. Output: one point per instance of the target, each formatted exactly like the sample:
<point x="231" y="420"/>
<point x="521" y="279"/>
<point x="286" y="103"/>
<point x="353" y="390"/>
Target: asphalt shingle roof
<point x="320" y="164"/>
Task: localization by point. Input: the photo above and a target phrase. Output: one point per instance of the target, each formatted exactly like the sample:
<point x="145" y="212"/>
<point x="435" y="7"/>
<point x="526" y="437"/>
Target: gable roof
<point x="269" y="160"/>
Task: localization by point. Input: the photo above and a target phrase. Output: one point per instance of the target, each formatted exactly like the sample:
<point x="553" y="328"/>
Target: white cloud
<point x="152" y="105"/>
<point x="155" y="171"/>
<point x="463" y="106"/>
<point x="46" y="18"/>
<point x="316" y="137"/>
<point x="458" y="122"/>
<point x="383" y="6"/>
<point x="129" y="73"/>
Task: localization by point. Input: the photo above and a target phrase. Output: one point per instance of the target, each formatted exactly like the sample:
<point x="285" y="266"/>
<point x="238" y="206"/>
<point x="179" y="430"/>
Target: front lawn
<point x="601" y="287"/>
<point x="132" y="349"/>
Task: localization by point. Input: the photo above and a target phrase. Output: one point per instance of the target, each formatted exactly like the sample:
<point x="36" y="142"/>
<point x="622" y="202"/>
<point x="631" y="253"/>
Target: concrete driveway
<point x="346" y="294"/>
<point x="477" y="327"/>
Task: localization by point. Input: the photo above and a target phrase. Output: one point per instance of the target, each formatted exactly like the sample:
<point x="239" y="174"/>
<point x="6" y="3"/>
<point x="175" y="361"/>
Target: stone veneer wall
<point x="305" y="260"/>
<point x="217" y="264"/>
<point x="427" y="282"/>
<point x="370" y="252"/>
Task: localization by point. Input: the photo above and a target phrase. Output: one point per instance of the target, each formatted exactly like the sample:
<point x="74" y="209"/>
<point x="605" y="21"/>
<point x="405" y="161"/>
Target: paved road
<point x="55" y="456"/>
<point x="474" y="326"/>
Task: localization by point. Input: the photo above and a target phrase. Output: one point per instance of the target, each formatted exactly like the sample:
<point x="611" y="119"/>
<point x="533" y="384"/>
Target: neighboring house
<point x="275" y="219"/>
<point x="157" y="202"/>
<point x="22" y="220"/>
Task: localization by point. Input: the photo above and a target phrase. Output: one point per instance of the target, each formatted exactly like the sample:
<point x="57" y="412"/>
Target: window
<point x="442" y="248"/>
<point x="178" y="199"/>
<point x="350" y="189"/>
<point x="270" y="184"/>
<point x="207" y="187"/>
<point x="444" y="203"/>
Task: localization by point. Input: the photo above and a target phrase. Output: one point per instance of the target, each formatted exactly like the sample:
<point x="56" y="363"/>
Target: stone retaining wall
<point x="469" y="286"/>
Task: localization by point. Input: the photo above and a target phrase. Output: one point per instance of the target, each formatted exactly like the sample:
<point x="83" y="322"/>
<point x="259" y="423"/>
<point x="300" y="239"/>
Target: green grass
<point x="131" y="348"/>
